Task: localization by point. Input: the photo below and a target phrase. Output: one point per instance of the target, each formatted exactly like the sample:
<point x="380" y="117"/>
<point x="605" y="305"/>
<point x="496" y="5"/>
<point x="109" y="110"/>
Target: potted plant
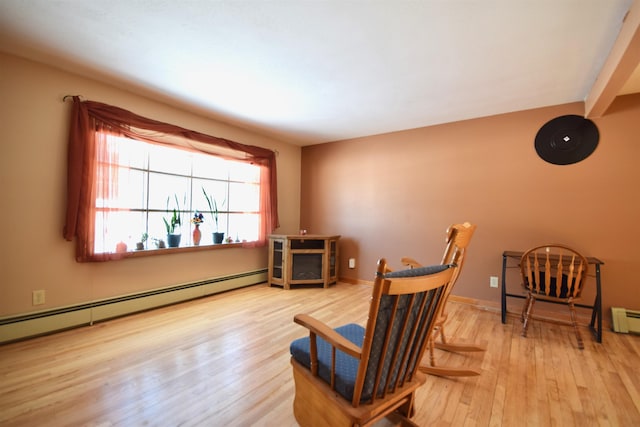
<point x="218" y="236"/>
<point x="173" y="224"/>
<point x="159" y="243"/>
<point x="143" y="239"/>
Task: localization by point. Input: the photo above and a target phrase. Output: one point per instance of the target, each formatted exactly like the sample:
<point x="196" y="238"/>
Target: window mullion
<point x="136" y="214"/>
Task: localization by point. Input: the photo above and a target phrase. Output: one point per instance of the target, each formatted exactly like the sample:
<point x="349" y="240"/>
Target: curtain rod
<point x="64" y="98"/>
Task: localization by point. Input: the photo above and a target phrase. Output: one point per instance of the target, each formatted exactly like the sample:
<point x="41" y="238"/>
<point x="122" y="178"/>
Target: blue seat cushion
<point x="346" y="366"/>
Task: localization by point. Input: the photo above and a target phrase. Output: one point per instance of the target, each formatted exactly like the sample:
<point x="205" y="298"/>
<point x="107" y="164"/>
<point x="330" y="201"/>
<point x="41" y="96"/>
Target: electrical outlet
<point x="38" y="297"/>
<point x="493" y="281"/>
<point x="352" y="263"/>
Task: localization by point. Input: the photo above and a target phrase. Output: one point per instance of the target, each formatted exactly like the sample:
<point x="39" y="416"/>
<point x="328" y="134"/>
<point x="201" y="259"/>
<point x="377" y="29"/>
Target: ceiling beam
<point x="622" y="61"/>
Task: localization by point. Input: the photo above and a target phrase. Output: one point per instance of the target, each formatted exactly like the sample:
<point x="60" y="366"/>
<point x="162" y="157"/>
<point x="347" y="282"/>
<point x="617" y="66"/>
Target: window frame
<point x="147" y="178"/>
<point x="91" y="119"/>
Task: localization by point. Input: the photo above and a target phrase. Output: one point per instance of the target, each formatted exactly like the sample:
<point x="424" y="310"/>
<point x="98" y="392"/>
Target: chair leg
<point x="402" y="416"/>
<point x="447" y="371"/>
<point x="524" y="308"/>
<point x="400" y="420"/>
<point x="574" y="322"/>
<point x="432" y="356"/>
<point x="443" y="371"/>
<point x="440" y="332"/>
<point x="527" y="314"/>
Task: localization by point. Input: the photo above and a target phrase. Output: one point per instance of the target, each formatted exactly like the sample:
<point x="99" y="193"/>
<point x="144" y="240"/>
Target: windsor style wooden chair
<point x="554" y="273"/>
<point x="354" y="375"/>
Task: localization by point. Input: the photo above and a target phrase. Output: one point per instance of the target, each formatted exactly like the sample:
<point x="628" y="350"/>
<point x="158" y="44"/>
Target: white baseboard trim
<point x="13" y="328"/>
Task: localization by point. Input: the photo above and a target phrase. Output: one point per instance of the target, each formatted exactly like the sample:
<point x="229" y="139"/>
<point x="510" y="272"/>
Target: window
<point x="128" y="174"/>
<point x="149" y="181"/>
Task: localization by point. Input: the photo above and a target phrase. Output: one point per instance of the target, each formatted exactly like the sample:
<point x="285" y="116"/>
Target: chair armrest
<point x="410" y="262"/>
<point x="328" y="334"/>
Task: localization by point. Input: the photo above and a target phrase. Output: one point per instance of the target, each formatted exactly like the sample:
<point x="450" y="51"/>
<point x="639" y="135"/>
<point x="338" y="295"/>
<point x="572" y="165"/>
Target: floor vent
<point x="625" y="320"/>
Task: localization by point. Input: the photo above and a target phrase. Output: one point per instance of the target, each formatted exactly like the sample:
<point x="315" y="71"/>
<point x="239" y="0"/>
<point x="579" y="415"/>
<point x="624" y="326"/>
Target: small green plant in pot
<point x="143" y="239"/>
<point x="173" y="223"/>
<point x="159" y="243"/>
<point x="218" y="236"/>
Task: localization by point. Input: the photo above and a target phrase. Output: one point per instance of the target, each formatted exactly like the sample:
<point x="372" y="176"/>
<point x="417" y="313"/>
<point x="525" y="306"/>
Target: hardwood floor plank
<point x="498" y="369"/>
<point x="224" y="361"/>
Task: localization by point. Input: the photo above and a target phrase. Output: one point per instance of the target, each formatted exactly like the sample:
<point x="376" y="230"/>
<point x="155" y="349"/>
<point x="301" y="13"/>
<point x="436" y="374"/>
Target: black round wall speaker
<point x="566" y="140"/>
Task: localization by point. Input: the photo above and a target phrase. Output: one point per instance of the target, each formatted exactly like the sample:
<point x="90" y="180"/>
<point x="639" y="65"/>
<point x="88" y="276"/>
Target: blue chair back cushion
<point x="420" y="271"/>
<point x="406" y="307"/>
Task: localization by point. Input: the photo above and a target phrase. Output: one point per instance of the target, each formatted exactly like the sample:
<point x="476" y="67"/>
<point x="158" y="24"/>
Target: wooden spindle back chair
<point x="354" y="375"/>
<point x="554" y="273"/>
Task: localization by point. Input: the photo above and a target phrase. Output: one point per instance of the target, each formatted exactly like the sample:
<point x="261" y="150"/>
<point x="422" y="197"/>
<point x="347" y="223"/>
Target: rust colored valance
<point x="88" y="117"/>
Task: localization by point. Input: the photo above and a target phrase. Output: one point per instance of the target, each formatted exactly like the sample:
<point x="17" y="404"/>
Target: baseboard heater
<point x="14" y="328"/>
<point x="625" y="320"/>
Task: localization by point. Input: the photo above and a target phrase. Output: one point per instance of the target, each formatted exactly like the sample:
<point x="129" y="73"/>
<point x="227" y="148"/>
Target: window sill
<point x="180" y="249"/>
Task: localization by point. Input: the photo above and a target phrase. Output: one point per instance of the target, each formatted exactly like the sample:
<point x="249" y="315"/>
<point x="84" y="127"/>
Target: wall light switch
<point x="352" y="263"/>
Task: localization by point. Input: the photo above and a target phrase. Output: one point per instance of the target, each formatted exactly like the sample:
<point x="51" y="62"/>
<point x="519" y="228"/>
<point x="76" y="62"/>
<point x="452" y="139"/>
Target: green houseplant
<point x="218" y="236"/>
<point x="173" y="223"/>
<point x="140" y="243"/>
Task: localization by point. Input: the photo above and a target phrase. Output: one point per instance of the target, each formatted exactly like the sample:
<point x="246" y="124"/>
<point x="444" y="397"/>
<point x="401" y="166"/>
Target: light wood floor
<point x="224" y="361"/>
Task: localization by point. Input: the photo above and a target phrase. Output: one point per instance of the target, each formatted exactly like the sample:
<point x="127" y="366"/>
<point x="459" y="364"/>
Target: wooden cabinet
<point x="303" y="260"/>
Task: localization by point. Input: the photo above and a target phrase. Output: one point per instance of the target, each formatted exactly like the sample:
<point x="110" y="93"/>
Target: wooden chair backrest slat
<point x="401" y="317"/>
<point x="554" y="271"/>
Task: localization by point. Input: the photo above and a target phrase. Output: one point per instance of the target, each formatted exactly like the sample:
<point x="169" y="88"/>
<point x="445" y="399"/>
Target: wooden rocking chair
<point x="458" y="238"/>
<point x="355" y="376"/>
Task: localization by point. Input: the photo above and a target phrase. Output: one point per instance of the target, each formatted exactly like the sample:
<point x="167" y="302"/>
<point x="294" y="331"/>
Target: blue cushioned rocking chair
<point x="355" y="376"/>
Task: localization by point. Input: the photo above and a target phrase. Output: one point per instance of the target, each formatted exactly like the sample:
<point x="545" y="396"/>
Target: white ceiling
<point x="309" y="72"/>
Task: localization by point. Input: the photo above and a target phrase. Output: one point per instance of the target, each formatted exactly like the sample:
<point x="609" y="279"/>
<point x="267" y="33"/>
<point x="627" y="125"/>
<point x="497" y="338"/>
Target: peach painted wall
<point x="394" y="195"/>
<point x="33" y="254"/>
